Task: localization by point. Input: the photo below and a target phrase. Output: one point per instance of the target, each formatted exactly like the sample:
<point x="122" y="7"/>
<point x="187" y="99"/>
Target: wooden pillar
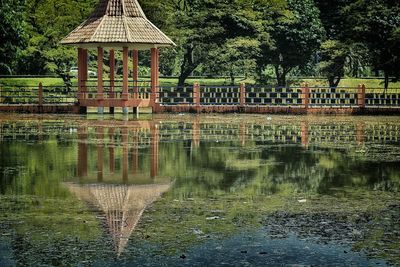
<point x="361" y="96"/>
<point x="111" y="150"/>
<point x="154" y="76"/>
<point x="135" y="55"/>
<point x="306" y="96"/>
<point x="100" y="88"/>
<point x="242" y="95"/>
<point x="80" y="71"/>
<point x="125" y="58"/>
<point x="84" y="71"/>
<point x="125" y="159"/>
<point x="100" y="153"/>
<point x="112" y="78"/>
<point x="82" y="152"/>
<point x="154" y="151"/>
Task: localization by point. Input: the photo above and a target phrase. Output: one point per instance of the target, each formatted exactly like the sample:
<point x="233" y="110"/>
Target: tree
<point x="203" y="27"/>
<point x="48" y="22"/>
<point x="236" y="57"/>
<point x="295" y="37"/>
<point x="376" y="23"/>
<point x="12" y="33"/>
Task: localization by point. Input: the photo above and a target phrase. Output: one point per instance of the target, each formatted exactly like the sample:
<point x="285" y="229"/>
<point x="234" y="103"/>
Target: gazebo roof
<point x="118" y="23"/>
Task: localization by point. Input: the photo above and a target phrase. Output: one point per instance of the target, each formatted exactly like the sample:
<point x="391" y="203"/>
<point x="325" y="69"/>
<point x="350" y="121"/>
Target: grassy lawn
<point x="33" y="82"/>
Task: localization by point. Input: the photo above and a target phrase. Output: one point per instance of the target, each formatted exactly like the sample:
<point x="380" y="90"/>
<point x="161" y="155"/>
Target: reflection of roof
<point x="122" y="205"/>
<point x="117" y="21"/>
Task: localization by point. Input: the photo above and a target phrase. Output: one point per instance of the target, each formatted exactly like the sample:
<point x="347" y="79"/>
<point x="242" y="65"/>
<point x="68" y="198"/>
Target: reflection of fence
<point x="198" y="96"/>
<point x="334" y="132"/>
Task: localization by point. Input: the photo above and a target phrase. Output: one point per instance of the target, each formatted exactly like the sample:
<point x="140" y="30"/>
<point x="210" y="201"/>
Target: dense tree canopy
<point x="335" y="38"/>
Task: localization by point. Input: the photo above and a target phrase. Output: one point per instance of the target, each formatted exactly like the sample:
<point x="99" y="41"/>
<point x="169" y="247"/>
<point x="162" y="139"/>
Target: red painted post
<point x="84" y="65"/>
<point x="100" y="89"/>
<point x="242" y="94"/>
<point x="154" y="76"/>
<point x="40" y="94"/>
<point x="306" y="96"/>
<point x="112" y="73"/>
<point x="125" y="58"/>
<point x="135" y="73"/>
<point x="80" y="66"/>
<point x="361" y="96"/>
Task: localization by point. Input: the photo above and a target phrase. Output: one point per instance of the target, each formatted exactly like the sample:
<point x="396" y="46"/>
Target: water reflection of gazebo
<point x="121" y="201"/>
<point x="122" y="205"/>
<point x="117" y="24"/>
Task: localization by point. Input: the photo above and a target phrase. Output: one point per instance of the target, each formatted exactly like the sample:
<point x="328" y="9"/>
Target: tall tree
<point x="377" y="24"/>
<point x="295" y="37"/>
<point x="12" y="33"/>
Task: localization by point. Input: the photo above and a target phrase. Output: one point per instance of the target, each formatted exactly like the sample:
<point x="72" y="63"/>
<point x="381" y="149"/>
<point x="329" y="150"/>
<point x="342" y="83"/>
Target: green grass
<point x="350" y="82"/>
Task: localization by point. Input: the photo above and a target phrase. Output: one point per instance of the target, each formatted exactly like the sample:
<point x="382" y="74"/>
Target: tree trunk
<point x="232" y="76"/>
<point x="334" y="81"/>
<point x="386" y="81"/>
<point x="188" y="66"/>
<point x="281" y="76"/>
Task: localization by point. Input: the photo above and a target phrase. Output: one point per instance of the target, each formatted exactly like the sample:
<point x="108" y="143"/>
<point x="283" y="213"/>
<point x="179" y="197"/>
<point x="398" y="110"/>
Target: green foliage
<point x="377" y="23"/>
<point x="295" y="38"/>
<point x="12" y="33"/>
<point x="256" y="38"/>
<point x="49" y="21"/>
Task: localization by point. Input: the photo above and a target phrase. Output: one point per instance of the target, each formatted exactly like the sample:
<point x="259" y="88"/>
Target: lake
<point x="199" y="190"/>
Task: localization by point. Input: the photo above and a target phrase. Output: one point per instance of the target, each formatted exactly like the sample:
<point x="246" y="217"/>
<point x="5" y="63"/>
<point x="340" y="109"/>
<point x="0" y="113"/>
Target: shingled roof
<point x="118" y="22"/>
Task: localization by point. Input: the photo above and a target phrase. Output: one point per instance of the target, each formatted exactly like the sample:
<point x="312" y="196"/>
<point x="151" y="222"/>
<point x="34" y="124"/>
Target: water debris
<point x="302" y="200"/>
<point x="213" y="218"/>
<point x="197" y="231"/>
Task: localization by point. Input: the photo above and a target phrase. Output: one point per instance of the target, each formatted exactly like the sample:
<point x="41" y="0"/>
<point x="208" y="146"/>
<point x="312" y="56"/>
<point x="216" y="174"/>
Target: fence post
<point x="306" y="95"/>
<point x="40" y="94"/>
<point x="196" y="96"/>
<point x="361" y="96"/>
<point x="242" y="94"/>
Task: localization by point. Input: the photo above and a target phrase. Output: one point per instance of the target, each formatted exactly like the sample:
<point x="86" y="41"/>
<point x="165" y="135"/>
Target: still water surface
<point x="199" y="191"/>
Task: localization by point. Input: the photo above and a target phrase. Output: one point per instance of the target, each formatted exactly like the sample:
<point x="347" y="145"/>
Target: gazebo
<point x="117" y="25"/>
